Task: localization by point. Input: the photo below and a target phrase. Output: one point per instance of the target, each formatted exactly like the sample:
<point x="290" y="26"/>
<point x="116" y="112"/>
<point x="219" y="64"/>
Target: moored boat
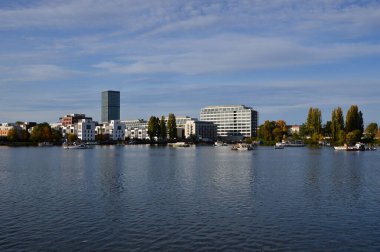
<point x="242" y="147"/>
<point x="75" y="146"/>
<point x="279" y="146"/>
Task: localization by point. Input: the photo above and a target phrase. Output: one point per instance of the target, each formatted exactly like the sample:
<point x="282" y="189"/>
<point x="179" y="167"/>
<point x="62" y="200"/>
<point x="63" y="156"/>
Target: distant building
<point x="86" y="130"/>
<point x="136" y="129"/>
<point x="114" y="129"/>
<point x="110" y="106"/>
<point x="293" y="129"/>
<point x="6" y="127"/>
<point x="206" y="131"/>
<point x="72" y="119"/>
<point x="234" y="122"/>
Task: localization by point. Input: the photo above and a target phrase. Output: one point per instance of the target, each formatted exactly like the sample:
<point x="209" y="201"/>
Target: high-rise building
<point x="232" y="121"/>
<point x="110" y="106"/>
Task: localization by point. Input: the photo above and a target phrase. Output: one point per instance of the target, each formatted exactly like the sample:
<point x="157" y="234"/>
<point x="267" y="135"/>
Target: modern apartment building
<point x="110" y="106"/>
<point x="235" y="121"/>
<point x="86" y="130"/>
<point x="114" y="129"/>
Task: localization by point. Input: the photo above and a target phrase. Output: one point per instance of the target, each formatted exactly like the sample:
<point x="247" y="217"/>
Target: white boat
<point x="220" y="144"/>
<point x="279" y="146"/>
<point x="75" y="146"/>
<point x="180" y="144"/>
<point x="242" y="147"/>
<point x="340" y="147"/>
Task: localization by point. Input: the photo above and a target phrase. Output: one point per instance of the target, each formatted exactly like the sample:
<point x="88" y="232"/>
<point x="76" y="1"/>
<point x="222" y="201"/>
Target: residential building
<point x="293" y="129"/>
<point x="235" y="122"/>
<point x="114" y="129"/>
<point x="136" y="129"/>
<point x="72" y="119"/>
<point x="6" y="127"/>
<point x="110" y="106"/>
<point x="206" y="131"/>
<point x="86" y="130"/>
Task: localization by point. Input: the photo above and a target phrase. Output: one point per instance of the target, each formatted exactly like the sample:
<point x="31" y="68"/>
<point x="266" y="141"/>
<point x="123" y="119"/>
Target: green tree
<point x="71" y="138"/>
<point x="371" y="131"/>
<point x="314" y="121"/>
<point x="56" y="135"/>
<point x="12" y="135"/>
<point x="326" y="129"/>
<point x="353" y="137"/>
<point x="277" y="134"/>
<point x="41" y="133"/>
<point x="354" y="119"/>
<point x="172" y="127"/>
<point x="163" y="129"/>
<point x="337" y="124"/>
<point x="153" y="127"/>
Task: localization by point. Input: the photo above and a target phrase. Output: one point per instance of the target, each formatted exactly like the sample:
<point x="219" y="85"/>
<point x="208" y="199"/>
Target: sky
<point x="278" y="57"/>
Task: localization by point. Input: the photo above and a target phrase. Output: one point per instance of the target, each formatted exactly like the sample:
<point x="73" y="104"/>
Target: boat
<point x="45" y="144"/>
<point x="296" y="143"/>
<point x="338" y="148"/>
<point x="180" y="144"/>
<point x="356" y="147"/>
<point x="279" y="146"/>
<point x="75" y="146"/>
<point x="242" y="147"/>
<point x="220" y="144"/>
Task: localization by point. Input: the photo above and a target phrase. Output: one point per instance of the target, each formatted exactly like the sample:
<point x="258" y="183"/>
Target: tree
<point x="41" y="133"/>
<point x="327" y="128"/>
<point x="354" y="119"/>
<point x="353" y="136"/>
<point x="314" y="121"/>
<point x="71" y="138"/>
<point x="12" y="135"/>
<point x="56" y="135"/>
<point x="153" y="127"/>
<point x="172" y="127"/>
<point x="372" y="129"/>
<point x="163" y="129"/>
<point x="337" y="124"/>
<point x="277" y="134"/>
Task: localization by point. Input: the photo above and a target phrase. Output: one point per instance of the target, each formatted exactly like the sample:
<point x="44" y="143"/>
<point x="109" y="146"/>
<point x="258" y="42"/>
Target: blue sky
<point x="279" y="57"/>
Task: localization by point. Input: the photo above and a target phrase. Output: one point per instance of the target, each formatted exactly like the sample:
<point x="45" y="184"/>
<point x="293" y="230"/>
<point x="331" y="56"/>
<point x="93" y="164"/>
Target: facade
<point x="202" y="130"/>
<point x="293" y="129"/>
<point x="72" y="119"/>
<point x="110" y="106"/>
<point x="86" y="130"/>
<point x="236" y="121"/>
<point x="114" y="129"/>
<point x="136" y="129"/>
<point x="6" y="127"/>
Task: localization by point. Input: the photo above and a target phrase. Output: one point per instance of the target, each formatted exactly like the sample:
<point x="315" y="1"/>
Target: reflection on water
<point x="204" y="198"/>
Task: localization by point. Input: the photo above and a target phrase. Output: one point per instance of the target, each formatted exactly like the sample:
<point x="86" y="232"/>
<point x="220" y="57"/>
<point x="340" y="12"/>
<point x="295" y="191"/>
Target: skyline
<point x="280" y="58"/>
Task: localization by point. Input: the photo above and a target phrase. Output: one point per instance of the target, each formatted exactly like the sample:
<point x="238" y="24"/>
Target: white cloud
<point x="30" y="73"/>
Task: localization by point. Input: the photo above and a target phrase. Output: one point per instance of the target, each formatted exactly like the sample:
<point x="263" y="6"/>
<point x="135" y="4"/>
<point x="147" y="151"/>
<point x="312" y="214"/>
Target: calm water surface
<point x="159" y="198"/>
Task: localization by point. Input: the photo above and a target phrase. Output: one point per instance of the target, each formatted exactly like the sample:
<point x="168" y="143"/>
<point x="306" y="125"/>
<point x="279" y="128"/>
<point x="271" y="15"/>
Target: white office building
<point x="236" y="121"/>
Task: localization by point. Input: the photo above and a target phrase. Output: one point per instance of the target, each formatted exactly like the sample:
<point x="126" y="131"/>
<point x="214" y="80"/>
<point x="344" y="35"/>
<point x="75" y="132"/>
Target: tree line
<point x="338" y="130"/>
<point x="40" y="133"/>
<point x="159" y="131"/>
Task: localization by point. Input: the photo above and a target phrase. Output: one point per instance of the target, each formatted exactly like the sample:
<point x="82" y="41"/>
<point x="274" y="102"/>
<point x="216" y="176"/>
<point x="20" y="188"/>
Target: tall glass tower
<point x="110" y="105"/>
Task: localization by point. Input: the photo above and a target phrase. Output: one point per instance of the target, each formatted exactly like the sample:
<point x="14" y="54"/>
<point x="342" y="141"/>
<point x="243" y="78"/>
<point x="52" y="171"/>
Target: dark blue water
<point x="141" y="198"/>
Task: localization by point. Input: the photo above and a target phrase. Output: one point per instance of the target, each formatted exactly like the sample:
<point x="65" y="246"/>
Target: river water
<point x="133" y="198"/>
